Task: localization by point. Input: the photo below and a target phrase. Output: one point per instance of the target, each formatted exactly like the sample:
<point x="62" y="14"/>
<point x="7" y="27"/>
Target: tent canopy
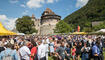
<point x="79" y="33"/>
<point x="4" y="31"/>
<point x="102" y="30"/>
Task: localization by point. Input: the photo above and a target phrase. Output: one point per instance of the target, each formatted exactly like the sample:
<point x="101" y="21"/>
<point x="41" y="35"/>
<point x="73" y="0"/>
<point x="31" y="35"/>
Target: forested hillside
<point x="94" y="10"/>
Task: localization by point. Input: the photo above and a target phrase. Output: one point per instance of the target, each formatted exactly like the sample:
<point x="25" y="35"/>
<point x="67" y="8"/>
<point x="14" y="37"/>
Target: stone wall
<point x="48" y="26"/>
<point x="37" y="25"/>
<point x="49" y="22"/>
<point x="47" y="29"/>
<point x="96" y="23"/>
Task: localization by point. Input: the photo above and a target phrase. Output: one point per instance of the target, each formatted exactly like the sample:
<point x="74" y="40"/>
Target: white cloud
<point x="38" y="3"/>
<point x="9" y="23"/>
<point x="13" y="1"/>
<point x="50" y="1"/>
<point x="3" y="17"/>
<point x="25" y="12"/>
<point x="81" y="3"/>
<point x="35" y="3"/>
<point x="22" y="5"/>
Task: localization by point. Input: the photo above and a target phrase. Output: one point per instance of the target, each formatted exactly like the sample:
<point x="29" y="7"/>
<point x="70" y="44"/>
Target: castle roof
<point x="48" y="10"/>
<point x="49" y="14"/>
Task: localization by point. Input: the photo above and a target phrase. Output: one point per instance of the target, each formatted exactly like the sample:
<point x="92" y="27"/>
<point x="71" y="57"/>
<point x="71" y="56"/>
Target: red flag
<point x="78" y="28"/>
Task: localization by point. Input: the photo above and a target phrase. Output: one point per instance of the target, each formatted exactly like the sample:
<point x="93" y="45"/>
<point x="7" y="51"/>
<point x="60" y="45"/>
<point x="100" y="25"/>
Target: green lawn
<point x="50" y="58"/>
<point x="104" y="55"/>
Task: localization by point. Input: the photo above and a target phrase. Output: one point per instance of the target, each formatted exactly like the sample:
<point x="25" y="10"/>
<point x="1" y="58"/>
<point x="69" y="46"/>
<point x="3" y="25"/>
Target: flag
<point x="78" y="28"/>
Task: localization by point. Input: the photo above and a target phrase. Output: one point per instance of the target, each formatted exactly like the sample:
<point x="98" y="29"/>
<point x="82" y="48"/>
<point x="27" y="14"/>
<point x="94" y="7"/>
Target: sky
<point x="10" y="10"/>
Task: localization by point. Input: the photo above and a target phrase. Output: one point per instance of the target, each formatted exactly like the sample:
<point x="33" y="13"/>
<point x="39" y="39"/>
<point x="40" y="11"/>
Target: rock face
<point x="47" y="23"/>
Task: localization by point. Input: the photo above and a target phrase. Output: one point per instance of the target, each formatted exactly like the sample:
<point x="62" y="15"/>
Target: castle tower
<point x="36" y="23"/>
<point x="48" y="22"/>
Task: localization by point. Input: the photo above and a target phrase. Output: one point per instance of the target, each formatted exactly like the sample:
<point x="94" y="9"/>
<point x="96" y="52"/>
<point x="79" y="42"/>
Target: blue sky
<point x="10" y="10"/>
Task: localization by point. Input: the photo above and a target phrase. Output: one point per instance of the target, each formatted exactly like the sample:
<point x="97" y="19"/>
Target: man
<point x="3" y="41"/>
<point x="61" y="51"/>
<point x="41" y="51"/>
<point x="8" y="54"/>
<point x="25" y="52"/>
<point x="2" y="47"/>
<point x="96" y="51"/>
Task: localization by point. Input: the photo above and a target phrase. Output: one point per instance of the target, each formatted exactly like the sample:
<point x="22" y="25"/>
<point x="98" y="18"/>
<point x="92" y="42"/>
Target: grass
<point x="50" y="58"/>
<point x="104" y="55"/>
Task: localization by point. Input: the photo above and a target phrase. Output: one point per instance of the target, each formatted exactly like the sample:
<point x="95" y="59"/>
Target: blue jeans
<point x="85" y="56"/>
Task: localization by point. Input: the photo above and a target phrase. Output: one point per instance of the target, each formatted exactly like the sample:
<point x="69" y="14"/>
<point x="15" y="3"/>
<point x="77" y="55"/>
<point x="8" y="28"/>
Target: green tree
<point x="87" y="29"/>
<point x="62" y="27"/>
<point x="25" y="25"/>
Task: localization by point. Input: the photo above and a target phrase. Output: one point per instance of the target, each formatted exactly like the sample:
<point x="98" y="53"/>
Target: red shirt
<point x="33" y="51"/>
<point x="73" y="52"/>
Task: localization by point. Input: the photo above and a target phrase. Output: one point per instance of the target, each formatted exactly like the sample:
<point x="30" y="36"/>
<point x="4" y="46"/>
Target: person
<point x="3" y="41"/>
<point x="78" y="50"/>
<point x="96" y="51"/>
<point x="24" y="52"/>
<point x="8" y="53"/>
<point x="2" y="47"/>
<point x="68" y="52"/>
<point x="104" y="44"/>
<point x="16" y="47"/>
<point x="100" y="46"/>
<point x="85" y="51"/>
<point x="41" y="51"/>
<point x="73" y="53"/>
<point x="51" y="47"/>
<point x="46" y="47"/>
<point x="34" y="52"/>
<point x="60" y="52"/>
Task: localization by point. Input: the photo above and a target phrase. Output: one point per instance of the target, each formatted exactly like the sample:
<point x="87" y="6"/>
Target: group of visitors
<point x="59" y="47"/>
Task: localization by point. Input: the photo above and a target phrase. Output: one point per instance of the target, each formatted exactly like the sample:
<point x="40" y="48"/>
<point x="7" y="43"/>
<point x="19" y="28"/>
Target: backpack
<point x="7" y="56"/>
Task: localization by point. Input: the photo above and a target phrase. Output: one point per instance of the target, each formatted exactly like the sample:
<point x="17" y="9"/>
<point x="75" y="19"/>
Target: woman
<point x="34" y="52"/>
<point x="85" y="51"/>
<point x="78" y="50"/>
<point x="73" y="53"/>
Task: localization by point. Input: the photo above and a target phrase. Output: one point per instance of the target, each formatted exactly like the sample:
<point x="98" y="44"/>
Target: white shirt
<point x="41" y="51"/>
<point x="25" y="52"/>
<point x="12" y="41"/>
<point x="47" y="40"/>
<point x="46" y="47"/>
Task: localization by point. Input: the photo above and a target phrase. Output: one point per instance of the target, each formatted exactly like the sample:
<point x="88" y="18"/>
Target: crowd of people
<point x="58" y="47"/>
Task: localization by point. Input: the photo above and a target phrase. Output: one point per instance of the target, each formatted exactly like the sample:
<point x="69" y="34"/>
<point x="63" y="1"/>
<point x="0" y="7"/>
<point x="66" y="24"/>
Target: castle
<point x="47" y="23"/>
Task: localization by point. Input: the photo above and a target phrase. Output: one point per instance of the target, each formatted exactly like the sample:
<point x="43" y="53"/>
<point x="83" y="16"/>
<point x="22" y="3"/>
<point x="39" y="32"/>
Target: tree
<point x="87" y="29"/>
<point x="62" y="27"/>
<point x="25" y="25"/>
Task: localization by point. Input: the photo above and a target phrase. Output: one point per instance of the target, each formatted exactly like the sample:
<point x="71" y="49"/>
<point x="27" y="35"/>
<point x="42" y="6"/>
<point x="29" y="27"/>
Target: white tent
<point x="102" y="30"/>
<point x="20" y="34"/>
